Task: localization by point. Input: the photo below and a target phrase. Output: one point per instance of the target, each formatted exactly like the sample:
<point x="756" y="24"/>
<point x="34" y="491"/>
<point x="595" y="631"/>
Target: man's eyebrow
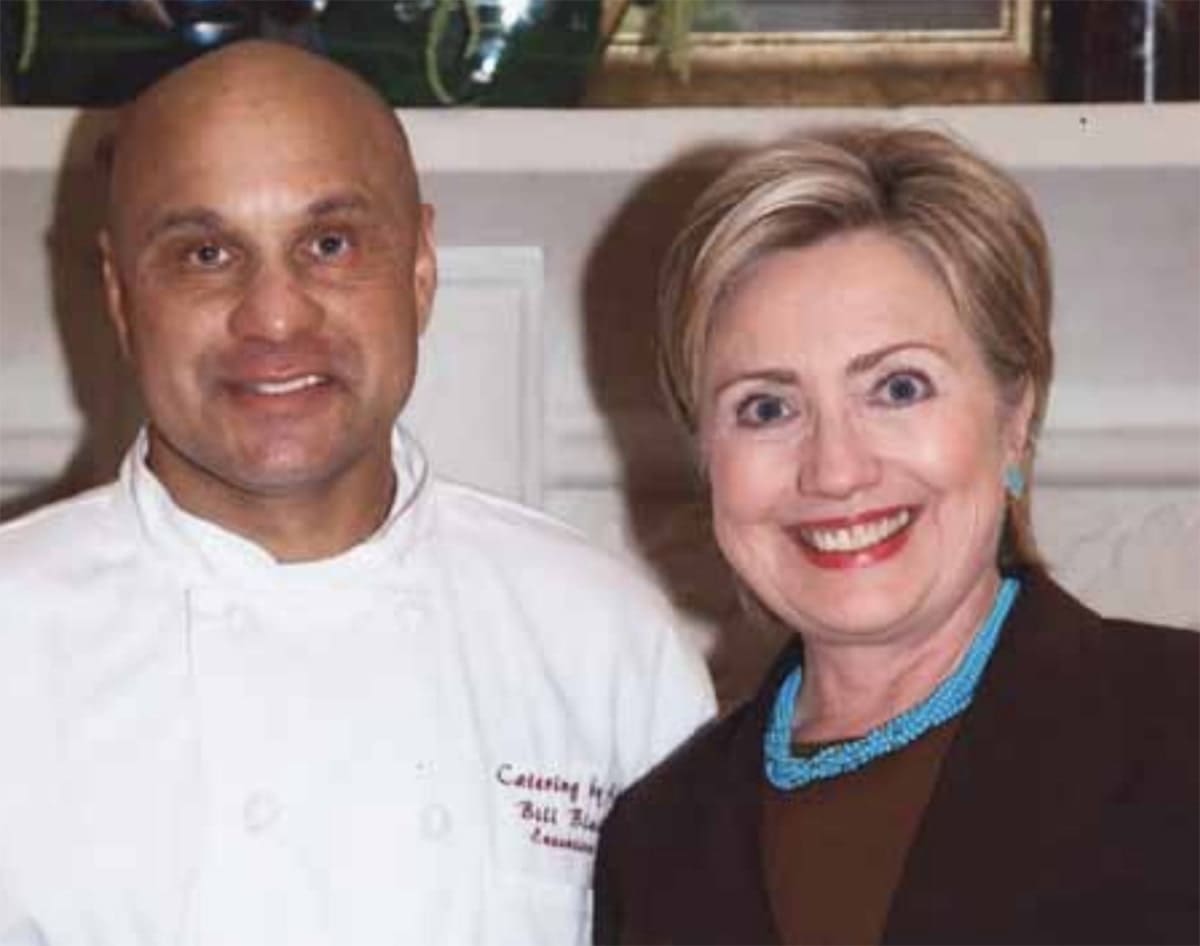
<point x="868" y="360"/>
<point x="188" y="218"/>
<point x="202" y="218"/>
<point x="351" y="201"/>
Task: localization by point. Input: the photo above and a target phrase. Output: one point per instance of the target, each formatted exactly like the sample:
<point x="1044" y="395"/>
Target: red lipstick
<point x="824" y="542"/>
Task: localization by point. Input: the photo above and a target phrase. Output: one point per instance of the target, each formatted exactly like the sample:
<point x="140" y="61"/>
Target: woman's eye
<point x="760" y="410"/>
<point x="903" y="388"/>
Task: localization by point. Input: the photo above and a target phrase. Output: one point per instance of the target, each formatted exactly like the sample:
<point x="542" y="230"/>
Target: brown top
<point x="833" y="851"/>
<point x="1064" y="810"/>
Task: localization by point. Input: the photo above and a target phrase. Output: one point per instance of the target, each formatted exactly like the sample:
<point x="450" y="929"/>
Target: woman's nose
<point x="837" y="459"/>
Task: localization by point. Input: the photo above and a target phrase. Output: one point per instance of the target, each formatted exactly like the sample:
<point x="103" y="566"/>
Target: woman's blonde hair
<point x="969" y="220"/>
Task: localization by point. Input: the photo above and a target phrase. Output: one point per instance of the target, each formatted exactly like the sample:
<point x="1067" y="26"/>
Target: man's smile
<point x="283" y="386"/>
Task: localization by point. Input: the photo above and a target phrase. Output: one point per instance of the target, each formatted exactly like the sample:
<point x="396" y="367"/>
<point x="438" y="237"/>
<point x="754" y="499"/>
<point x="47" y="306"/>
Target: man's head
<point x="268" y="267"/>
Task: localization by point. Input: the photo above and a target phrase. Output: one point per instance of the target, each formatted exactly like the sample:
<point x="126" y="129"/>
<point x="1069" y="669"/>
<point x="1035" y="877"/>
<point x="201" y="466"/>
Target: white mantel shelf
<point x="634" y="140"/>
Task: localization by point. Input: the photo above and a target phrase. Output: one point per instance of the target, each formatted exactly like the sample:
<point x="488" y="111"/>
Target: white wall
<point x="538" y="380"/>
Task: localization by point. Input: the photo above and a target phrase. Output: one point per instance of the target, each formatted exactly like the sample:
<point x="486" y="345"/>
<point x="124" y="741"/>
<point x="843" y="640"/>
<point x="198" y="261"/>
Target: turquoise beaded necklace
<point x="952" y="696"/>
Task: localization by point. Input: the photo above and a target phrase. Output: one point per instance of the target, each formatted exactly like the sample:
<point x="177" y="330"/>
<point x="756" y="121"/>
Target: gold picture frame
<point x="826" y="68"/>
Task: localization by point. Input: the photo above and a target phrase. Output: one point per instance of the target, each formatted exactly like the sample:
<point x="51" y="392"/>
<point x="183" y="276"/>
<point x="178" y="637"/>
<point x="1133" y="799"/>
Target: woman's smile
<point x="856" y="541"/>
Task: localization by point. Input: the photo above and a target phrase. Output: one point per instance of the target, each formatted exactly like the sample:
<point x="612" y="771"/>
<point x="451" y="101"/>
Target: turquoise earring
<point x="1014" y="481"/>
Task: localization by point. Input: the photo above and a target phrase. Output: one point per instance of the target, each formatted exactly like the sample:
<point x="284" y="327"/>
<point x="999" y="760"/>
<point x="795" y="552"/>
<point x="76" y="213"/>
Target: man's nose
<point x="275" y="306"/>
<point x="837" y="459"/>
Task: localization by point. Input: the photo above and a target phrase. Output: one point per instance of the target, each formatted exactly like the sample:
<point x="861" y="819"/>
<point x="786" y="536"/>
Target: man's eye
<point x="330" y="245"/>
<point x="903" y="388"/>
<point x="760" y="410"/>
<point x="208" y="255"/>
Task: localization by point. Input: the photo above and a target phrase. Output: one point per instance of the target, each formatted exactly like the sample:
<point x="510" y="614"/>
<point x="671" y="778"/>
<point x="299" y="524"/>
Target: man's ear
<point x="114" y="294"/>
<point x="425" y="275"/>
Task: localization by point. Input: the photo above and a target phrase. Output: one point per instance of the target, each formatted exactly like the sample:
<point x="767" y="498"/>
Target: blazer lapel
<point x="1007" y="799"/>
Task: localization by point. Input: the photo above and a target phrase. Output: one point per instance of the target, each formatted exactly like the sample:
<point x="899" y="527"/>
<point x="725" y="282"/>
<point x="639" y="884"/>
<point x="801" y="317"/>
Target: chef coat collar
<point x="206" y="552"/>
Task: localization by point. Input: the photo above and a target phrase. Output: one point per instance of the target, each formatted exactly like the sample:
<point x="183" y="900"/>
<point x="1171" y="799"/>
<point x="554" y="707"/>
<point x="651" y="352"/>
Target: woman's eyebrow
<point x="868" y="360"/>
<point x="772" y="375"/>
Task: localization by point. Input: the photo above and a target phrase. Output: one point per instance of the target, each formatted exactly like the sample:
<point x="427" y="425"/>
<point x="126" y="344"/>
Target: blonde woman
<point x="856" y="333"/>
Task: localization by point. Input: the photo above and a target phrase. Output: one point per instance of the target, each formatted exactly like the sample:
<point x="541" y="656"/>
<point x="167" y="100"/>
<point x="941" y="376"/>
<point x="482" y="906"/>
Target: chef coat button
<point x="261" y="810"/>
<point x="435" y="822"/>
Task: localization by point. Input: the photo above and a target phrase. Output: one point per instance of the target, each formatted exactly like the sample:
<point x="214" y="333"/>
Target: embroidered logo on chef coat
<point x="555" y="809"/>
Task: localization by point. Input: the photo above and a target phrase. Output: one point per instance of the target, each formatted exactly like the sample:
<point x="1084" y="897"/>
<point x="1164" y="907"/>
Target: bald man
<point x="278" y="684"/>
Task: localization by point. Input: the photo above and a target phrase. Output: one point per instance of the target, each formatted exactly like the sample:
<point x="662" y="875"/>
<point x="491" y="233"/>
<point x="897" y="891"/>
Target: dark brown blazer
<point x="1065" y="810"/>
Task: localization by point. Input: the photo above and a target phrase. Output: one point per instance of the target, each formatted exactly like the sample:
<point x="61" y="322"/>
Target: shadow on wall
<point x="102" y="388"/>
<point x="667" y="502"/>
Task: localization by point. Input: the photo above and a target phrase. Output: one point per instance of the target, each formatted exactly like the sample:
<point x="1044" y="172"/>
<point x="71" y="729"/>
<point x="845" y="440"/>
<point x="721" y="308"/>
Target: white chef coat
<point x="411" y="742"/>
